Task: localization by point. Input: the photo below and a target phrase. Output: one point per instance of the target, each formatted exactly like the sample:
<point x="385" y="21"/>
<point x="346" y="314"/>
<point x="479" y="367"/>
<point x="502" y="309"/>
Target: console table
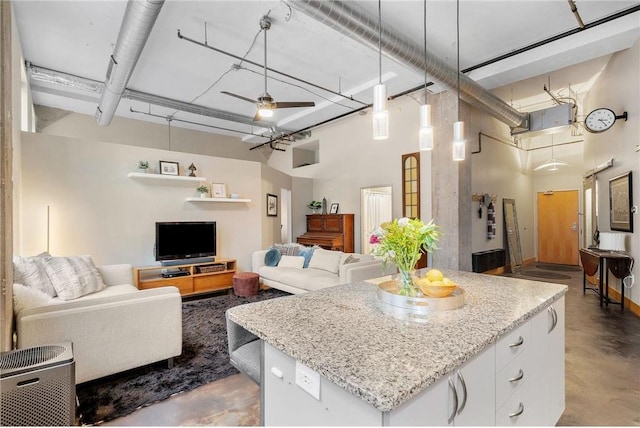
<point x="594" y="260"/>
<point x="193" y="278"/>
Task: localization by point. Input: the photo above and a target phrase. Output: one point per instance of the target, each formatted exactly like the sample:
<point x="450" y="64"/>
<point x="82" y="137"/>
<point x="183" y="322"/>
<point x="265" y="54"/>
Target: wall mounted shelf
<point x="194" y="199"/>
<point x="166" y="179"/>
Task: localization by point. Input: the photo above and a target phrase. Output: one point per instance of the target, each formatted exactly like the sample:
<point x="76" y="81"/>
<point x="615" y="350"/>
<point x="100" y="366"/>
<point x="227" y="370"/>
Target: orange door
<point x="558" y="227"/>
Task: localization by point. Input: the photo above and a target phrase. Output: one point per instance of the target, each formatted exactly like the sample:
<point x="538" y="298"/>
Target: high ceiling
<point x="78" y="37"/>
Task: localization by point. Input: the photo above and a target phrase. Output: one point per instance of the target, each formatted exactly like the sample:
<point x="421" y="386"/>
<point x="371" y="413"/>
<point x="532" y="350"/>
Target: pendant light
<point x="458" y="127"/>
<point x="552" y="163"/>
<point x="425" y="134"/>
<point x="380" y="110"/>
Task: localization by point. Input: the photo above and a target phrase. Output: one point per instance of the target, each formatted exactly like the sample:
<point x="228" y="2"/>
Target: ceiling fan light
<point x="265" y="111"/>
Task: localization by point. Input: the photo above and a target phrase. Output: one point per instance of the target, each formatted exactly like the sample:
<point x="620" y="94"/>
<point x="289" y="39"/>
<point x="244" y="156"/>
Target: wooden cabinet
<point x="329" y="231"/>
<point x="197" y="278"/>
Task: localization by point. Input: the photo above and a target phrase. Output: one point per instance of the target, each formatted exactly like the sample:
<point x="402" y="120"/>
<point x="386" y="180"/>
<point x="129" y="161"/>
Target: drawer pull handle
<point x="518" y="377"/>
<point x="464" y="391"/>
<point x="452" y="387"/>
<point x="554" y="318"/>
<point x="277" y="372"/>
<point x="517" y="412"/>
<point x="518" y="343"/>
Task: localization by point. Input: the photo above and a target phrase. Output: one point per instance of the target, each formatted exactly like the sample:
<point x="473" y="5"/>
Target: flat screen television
<point x="185" y="240"/>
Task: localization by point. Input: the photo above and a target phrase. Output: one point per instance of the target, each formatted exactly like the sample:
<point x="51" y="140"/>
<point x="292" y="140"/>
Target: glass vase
<point x="406" y="286"/>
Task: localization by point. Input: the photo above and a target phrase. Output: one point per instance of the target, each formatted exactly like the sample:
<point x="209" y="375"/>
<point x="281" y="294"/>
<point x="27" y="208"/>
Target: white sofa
<point x="112" y="330"/>
<point x="319" y="275"/>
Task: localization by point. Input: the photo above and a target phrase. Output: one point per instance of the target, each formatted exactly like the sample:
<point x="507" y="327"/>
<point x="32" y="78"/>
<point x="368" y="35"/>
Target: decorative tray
<point x="415" y="308"/>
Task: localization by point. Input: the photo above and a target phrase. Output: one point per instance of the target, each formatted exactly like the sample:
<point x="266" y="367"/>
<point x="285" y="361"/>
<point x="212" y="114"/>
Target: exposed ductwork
<point x="360" y="26"/>
<point x="59" y="78"/>
<point x="139" y="18"/>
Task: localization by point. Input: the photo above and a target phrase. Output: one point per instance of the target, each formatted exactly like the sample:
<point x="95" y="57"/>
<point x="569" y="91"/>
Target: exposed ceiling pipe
<point x="54" y="77"/>
<point x="138" y="21"/>
<point x="362" y="27"/>
<point x="574" y="9"/>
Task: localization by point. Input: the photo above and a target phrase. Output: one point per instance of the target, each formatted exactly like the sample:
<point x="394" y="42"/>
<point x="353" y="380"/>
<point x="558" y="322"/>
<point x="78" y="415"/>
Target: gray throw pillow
<point x="30" y="272"/>
<point x="73" y="277"/>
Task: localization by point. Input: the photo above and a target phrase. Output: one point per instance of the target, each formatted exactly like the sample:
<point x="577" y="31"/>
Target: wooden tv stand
<point x="201" y="277"/>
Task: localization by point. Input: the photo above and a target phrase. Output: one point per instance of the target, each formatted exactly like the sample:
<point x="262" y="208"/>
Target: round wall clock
<point x="601" y="119"/>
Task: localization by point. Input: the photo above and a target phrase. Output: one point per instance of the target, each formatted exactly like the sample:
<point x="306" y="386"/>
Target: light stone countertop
<point x="342" y="333"/>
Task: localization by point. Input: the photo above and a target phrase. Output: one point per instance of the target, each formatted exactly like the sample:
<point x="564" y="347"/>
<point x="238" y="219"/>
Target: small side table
<point x="618" y="263"/>
<point x="246" y="284"/>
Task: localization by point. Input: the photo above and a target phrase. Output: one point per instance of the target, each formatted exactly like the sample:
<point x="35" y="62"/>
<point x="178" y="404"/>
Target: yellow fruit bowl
<point x="443" y="290"/>
<point x="434" y="284"/>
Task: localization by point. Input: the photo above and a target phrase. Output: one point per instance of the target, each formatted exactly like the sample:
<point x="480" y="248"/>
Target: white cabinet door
<point x="286" y="403"/>
<point x="429" y="408"/>
<point x="465" y="397"/>
<point x="475" y="384"/>
<point x="548" y="347"/>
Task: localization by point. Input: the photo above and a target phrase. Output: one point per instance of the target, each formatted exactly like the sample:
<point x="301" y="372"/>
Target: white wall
<point x="502" y="171"/>
<point x="617" y="88"/>
<point x="272" y="181"/>
<point x="350" y="159"/>
<point x="96" y="209"/>
<point x="148" y="134"/>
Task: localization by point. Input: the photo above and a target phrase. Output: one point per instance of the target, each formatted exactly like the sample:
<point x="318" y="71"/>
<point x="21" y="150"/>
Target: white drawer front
<point x="513" y="376"/>
<point x="512" y="344"/>
<point x="519" y="410"/>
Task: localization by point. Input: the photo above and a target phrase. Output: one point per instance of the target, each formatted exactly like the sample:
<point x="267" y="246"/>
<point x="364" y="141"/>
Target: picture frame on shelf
<point x="272" y="205"/>
<point x="334" y="208"/>
<point x="218" y="190"/>
<point x="169" y="168"/>
<point x="620" y="203"/>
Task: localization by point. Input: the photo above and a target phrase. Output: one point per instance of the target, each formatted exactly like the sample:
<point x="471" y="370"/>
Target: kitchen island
<point x="336" y="357"/>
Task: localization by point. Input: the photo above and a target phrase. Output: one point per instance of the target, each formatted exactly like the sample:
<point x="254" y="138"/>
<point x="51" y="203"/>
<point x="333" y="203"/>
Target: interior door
<point x="558" y="231"/>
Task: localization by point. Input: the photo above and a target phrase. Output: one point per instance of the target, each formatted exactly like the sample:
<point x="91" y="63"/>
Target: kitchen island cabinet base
<point x="539" y="393"/>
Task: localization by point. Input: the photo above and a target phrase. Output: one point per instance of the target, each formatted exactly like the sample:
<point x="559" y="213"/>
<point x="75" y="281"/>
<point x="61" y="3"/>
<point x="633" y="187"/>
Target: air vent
<point x="549" y="121"/>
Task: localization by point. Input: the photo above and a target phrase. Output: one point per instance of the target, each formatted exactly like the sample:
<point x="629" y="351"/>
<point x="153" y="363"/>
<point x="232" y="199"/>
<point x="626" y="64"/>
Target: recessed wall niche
<point x="306" y="154"/>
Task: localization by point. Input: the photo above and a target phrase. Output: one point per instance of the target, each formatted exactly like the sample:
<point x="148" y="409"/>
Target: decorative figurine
<point x="192" y="168"/>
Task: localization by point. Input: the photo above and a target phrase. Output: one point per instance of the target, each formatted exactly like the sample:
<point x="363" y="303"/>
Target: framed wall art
<point x="620" y="203"/>
<point x="272" y="205"/>
<point x="218" y="190"/>
<point x="169" y="168"/>
<point x="334" y="208"/>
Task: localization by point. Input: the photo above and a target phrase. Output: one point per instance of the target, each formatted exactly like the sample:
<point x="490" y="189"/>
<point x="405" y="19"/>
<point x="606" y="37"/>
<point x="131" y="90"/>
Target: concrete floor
<point x="602" y="369"/>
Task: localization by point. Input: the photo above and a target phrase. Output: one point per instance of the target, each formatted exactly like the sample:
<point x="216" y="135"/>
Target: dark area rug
<point x="204" y="359"/>
<point x="560" y="268"/>
<point x="544" y="274"/>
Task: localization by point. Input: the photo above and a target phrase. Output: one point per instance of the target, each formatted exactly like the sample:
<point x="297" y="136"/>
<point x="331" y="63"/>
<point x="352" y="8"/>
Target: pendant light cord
<point x="380" y="40"/>
<point x="458" y="47"/>
<point x="424" y="15"/>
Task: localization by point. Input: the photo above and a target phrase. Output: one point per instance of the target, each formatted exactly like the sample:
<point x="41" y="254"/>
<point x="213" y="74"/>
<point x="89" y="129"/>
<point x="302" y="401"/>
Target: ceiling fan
<point x="265" y="102"/>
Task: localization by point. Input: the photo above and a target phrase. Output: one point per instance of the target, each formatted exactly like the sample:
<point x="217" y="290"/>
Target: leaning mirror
<point x="513" y="234"/>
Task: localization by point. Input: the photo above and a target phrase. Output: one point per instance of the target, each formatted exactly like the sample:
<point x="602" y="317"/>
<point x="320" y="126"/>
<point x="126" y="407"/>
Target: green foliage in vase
<point x="401" y="241"/>
<point x="203" y="189"/>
